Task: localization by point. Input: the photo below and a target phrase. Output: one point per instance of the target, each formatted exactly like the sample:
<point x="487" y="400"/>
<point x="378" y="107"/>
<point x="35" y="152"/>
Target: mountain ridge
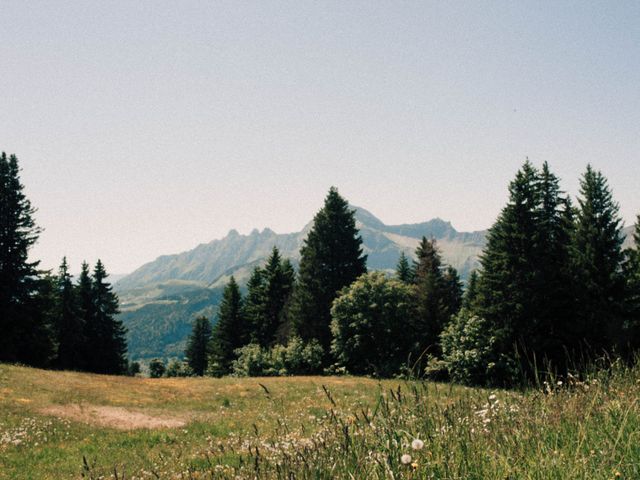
<point x="207" y="262"/>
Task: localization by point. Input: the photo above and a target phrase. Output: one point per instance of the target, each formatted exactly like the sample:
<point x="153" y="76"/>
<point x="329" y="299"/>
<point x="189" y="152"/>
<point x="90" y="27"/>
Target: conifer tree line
<point x="554" y="291"/>
<point x="48" y="320"/>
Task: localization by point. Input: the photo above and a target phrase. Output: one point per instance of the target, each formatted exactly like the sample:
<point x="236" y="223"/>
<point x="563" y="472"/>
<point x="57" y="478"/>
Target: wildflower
<point x="405" y="459"/>
<point x="559" y="383"/>
<point x="414" y="465"/>
<point x="417" y="444"/>
<point x="492" y="397"/>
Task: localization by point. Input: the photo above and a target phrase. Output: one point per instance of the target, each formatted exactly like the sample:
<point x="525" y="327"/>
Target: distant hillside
<point x="159" y="327"/>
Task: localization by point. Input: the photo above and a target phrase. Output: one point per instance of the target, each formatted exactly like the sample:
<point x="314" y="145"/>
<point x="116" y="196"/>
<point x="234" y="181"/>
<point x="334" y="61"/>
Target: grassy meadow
<point x="56" y="425"/>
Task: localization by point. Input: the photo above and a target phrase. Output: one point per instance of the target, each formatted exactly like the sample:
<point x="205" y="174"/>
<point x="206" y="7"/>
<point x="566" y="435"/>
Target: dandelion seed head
<point x="405" y="459"/>
<point x="417" y="444"/>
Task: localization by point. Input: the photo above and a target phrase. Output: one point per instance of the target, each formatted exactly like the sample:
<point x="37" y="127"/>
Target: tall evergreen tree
<point x="69" y="323"/>
<point x="431" y="297"/>
<point x="509" y="293"/>
<point x="269" y="289"/>
<point x="526" y="293"/>
<point x="452" y="289"/>
<point x="598" y="258"/>
<point x="278" y="283"/>
<point x="284" y="330"/>
<point x="471" y="292"/>
<point x="331" y="258"/>
<point x="109" y="346"/>
<point x="39" y="313"/>
<point x="21" y="323"/>
<point x="403" y="269"/>
<point x="229" y="331"/>
<point x="198" y="344"/>
<point x="554" y="331"/>
<point x="254" y="305"/>
<point x="84" y="293"/>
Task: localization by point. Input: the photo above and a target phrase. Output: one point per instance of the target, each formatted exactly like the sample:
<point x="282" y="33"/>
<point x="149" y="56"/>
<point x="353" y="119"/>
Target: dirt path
<point x="114" y="417"/>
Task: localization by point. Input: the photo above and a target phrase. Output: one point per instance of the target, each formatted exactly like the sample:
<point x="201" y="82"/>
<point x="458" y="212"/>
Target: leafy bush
<point x="252" y="361"/>
<point x="279" y="360"/>
<point x="303" y="358"/>
<point x="156" y="368"/>
<point x="177" y="368"/>
<point x="470" y="352"/>
<point x="372" y="325"/>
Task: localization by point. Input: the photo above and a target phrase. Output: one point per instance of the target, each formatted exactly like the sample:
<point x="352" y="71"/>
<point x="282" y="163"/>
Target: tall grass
<point x="354" y="428"/>
<point x="562" y="429"/>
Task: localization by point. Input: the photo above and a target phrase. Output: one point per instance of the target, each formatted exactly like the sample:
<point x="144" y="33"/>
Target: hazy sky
<point x="146" y="128"/>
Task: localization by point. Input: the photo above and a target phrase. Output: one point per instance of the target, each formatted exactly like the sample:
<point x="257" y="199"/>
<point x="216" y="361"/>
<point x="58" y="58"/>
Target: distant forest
<point x="554" y="293"/>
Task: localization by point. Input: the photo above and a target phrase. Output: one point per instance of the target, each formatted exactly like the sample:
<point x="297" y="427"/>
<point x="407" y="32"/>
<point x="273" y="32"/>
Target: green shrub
<point x="295" y="358"/>
<point x="470" y="352"/>
<point x="372" y="325"/>
<point x="178" y="368"/>
<point x="156" y="368"/>
<point x="251" y="361"/>
<point x="303" y="358"/>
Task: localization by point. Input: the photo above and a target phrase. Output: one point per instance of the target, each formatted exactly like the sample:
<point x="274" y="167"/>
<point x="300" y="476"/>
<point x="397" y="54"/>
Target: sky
<point x="145" y="128"/>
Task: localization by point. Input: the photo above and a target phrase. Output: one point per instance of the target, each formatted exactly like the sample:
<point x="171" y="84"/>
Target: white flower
<point x="417" y="444"/>
<point x="492" y="397"/>
<point x="405" y="459"/>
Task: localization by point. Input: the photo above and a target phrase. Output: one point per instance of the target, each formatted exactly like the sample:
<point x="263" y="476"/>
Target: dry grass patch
<point x="113" y="417"/>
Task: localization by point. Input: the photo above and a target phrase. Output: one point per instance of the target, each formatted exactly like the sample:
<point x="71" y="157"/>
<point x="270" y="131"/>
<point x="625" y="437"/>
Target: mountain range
<point x="212" y="263"/>
<point x="161" y="298"/>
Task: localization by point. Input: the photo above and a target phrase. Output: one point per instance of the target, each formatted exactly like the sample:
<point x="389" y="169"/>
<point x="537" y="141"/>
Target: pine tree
<point x="331" y="259"/>
<point x="277" y="285"/>
<point x="84" y="293"/>
<point x="452" y="290"/>
<point x="525" y="292"/>
<point x="198" y="344"/>
<point x="431" y="297"/>
<point x="69" y="323"/>
<point x="403" y="269"/>
<point x="22" y="326"/>
<point x="554" y="332"/>
<point x="284" y="330"/>
<point x="38" y="312"/>
<point x="109" y="346"/>
<point x="254" y="307"/>
<point x="471" y="292"/>
<point x="269" y="289"/>
<point x="509" y="293"/>
<point x="598" y="257"/>
<point x="228" y="332"/>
